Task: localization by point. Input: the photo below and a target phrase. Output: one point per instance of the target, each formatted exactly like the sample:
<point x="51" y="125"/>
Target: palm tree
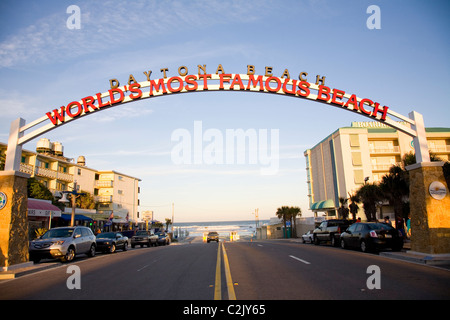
<point x="284" y="214"/>
<point x="294" y="212"/>
<point x="395" y="188"/>
<point x="370" y="194"/>
<point x="343" y="211"/>
<point x="354" y="205"/>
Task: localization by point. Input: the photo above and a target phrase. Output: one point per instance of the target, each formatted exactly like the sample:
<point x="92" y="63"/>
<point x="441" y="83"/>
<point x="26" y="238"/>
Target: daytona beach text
<point x="219" y="81"/>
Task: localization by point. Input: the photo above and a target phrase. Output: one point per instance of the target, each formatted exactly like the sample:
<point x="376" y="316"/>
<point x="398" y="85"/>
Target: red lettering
<point x="222" y="77"/>
<point x="157" y="86"/>
<point x="254" y="82"/>
<point x="237" y="80"/>
<point x="205" y="78"/>
<point x="89" y="102"/>
<point x="354" y="101"/>
<point x="56" y="116"/>
<point x="361" y="105"/>
<point x="191" y="80"/>
<point x="69" y="109"/>
<point x="269" y="88"/>
<point x="294" y="85"/>
<point x="339" y="94"/>
<point x="100" y="103"/>
<point x="376" y="109"/>
<point x="180" y="86"/>
<point x="303" y="85"/>
<point x="135" y="88"/>
<point x="323" y="90"/>
<point x="112" y="99"/>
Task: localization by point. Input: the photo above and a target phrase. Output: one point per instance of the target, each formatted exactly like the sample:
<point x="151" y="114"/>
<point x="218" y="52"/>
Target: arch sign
<point x="202" y="81"/>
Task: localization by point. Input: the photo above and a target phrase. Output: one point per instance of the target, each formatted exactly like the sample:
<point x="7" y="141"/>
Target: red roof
<point x="41" y="205"/>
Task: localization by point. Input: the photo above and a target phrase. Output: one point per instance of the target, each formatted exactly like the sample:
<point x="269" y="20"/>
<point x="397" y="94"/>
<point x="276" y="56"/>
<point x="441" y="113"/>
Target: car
<point x="63" y="243"/>
<point x="330" y="230"/>
<point x="144" y="237"/>
<point x="212" y="236"/>
<point x="371" y="236"/>
<point x="308" y="237"/>
<point x="163" y="238"/>
<point x="111" y="241"/>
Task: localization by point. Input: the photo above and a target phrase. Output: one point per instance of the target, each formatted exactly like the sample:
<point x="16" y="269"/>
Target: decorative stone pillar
<point x="13" y="218"/>
<point x="429" y="208"/>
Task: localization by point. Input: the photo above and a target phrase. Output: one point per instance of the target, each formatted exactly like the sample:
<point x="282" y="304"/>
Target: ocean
<point x="244" y="229"/>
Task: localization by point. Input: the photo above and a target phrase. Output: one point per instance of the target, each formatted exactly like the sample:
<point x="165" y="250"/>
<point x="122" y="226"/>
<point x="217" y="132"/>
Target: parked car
<point x="163" y="238"/>
<point x="144" y="238"/>
<point x="111" y="241"/>
<point x="308" y="237"/>
<point x="212" y="236"/>
<point x="330" y="230"/>
<point x="63" y="243"/>
<point x="372" y="236"/>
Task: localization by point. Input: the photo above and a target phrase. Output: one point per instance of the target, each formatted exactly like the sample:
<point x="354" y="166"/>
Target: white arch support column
<point x="14" y="150"/>
<point x="420" y="139"/>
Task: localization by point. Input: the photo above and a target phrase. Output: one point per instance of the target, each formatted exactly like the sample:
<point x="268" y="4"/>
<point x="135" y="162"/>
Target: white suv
<point x="63" y="243"/>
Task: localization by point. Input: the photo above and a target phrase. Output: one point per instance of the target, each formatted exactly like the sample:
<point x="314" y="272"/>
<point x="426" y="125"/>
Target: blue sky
<point x="44" y="65"/>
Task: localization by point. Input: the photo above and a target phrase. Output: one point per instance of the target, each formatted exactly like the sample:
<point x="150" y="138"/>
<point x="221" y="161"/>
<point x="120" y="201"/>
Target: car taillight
<point x="373" y="234"/>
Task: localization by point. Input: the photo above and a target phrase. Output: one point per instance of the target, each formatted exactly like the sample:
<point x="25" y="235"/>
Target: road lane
<point x="266" y="270"/>
<point x="174" y="272"/>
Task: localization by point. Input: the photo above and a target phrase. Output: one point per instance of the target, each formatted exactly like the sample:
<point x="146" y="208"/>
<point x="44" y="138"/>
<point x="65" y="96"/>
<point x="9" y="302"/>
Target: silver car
<point x="63" y="243"/>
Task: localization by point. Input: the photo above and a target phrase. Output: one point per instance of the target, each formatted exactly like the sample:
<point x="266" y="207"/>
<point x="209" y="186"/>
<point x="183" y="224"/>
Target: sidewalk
<point x="26" y="268"/>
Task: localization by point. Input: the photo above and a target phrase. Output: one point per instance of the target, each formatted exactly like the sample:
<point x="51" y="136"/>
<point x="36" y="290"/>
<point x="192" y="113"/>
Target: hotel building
<point x="341" y="163"/>
<point x="114" y="192"/>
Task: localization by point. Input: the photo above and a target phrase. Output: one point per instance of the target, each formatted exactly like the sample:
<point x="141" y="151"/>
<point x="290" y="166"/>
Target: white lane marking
<point x="259" y="245"/>
<point x="301" y="260"/>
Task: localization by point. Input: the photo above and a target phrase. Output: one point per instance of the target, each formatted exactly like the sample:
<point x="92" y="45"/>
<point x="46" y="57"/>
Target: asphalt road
<point x="259" y="270"/>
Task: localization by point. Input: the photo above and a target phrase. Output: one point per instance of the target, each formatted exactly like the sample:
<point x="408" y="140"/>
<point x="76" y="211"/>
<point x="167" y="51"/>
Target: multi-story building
<point x="115" y="192"/>
<point x="342" y="162"/>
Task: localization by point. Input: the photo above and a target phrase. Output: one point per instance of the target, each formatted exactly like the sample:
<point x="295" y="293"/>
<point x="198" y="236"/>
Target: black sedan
<point x="163" y="238"/>
<point x="371" y="236"/>
<point x="111" y="241"/>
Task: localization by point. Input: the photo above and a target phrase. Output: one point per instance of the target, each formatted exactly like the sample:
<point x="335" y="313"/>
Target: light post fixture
<point x="74" y="194"/>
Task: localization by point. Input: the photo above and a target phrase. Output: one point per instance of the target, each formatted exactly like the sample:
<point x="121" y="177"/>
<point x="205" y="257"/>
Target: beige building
<point x="343" y="161"/>
<point x="115" y="192"/>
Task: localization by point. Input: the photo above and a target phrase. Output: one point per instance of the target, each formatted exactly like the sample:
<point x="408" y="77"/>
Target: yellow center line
<point x="218" y="286"/>
<point x="230" y="286"/>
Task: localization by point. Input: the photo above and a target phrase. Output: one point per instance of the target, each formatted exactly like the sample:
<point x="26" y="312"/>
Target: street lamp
<point x="74" y="194"/>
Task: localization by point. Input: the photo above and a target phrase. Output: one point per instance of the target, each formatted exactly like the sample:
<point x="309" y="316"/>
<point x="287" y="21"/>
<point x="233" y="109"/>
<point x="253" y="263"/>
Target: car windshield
<point x="58" y="233"/>
<point x="379" y="226"/>
<point x="107" y="235"/>
<point x="141" y="233"/>
<point x="212" y="234"/>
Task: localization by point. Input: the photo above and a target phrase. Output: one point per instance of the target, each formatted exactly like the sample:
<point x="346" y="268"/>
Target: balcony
<point x="384" y="166"/>
<point x="384" y="149"/>
<point x="104" y="183"/>
<point x="439" y="149"/>
<point x="103" y="199"/>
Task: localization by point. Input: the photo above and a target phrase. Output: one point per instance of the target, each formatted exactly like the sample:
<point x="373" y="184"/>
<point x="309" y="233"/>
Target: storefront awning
<point x="42" y="208"/>
<point x="78" y="217"/>
<point x="324" y="205"/>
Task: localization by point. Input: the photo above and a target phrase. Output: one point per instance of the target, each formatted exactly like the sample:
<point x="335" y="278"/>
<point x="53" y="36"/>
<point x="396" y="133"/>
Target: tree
<point x="284" y="214"/>
<point x="354" y="208"/>
<point x="168" y="223"/>
<point x="85" y="201"/>
<point x="370" y="194"/>
<point x="294" y="212"/>
<point x="343" y="211"/>
<point x="395" y="188"/>
<point x="37" y="190"/>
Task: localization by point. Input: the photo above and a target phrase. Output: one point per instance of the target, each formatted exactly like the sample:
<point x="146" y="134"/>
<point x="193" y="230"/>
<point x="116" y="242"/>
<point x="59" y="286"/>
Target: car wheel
<point x="112" y="249"/>
<point x="91" y="252"/>
<point x="316" y="241"/>
<point x="303" y="240"/>
<point x="69" y="256"/>
<point x="333" y="241"/>
<point x="363" y="246"/>
<point x="125" y="246"/>
<point x="132" y="246"/>
<point x="343" y="245"/>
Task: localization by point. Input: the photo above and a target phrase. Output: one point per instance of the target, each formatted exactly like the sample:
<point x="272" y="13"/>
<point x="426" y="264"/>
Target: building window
<point x="79" y="171"/>
<point x="354" y="140"/>
<point x="359" y="176"/>
<point x="356" y="158"/>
